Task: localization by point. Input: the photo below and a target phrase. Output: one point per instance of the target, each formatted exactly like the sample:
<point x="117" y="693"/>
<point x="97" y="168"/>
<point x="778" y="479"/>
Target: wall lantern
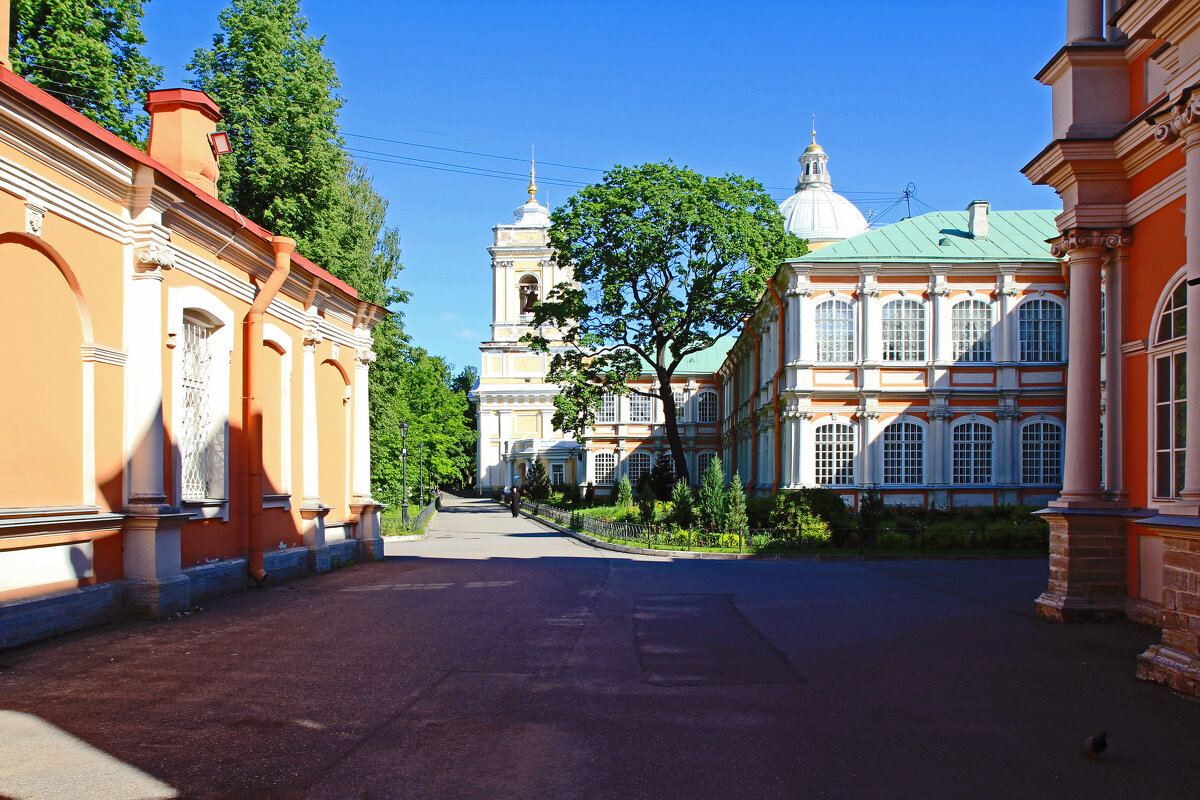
<point x="219" y="141"/>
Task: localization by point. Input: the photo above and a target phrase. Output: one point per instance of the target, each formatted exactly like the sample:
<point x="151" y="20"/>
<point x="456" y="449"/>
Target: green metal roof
<point x="943" y="236"/>
<point x="706" y="362"/>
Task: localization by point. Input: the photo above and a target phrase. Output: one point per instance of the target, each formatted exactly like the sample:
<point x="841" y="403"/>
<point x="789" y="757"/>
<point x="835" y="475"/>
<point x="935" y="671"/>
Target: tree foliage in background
<point x="87" y="53"/>
<point x="624" y="492"/>
<point x="710" y="500"/>
<point x="423" y="397"/>
<point x="289" y="170"/>
<point x="681" y="505"/>
<point x="662" y="476"/>
<point x="665" y="261"/>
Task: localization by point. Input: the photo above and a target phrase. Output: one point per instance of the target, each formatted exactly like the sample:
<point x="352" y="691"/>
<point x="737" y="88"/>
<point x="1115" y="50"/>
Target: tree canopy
<point x="665" y="261"/>
<point x="87" y="53"/>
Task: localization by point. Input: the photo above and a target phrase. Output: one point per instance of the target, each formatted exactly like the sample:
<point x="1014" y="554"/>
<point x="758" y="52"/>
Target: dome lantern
<point x="816" y="212"/>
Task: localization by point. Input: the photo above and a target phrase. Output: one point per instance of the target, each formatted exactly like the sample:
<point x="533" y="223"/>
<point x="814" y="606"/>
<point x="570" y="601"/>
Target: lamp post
<point x="421" y="474"/>
<point x="404" y="471"/>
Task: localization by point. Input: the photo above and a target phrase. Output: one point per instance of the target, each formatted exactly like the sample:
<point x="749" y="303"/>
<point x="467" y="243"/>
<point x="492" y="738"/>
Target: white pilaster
<point x="360" y="479"/>
<point x="311" y="490"/>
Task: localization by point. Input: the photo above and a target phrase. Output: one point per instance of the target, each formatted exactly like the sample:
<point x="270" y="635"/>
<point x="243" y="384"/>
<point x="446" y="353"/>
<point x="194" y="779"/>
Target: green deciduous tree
<point x="87" y="53"/>
<point x="710" y="500"/>
<point x="665" y="261"/>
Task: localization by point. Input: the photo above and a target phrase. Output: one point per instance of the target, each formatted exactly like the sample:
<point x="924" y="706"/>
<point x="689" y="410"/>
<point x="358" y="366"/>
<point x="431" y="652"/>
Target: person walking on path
<point x="514" y="501"/>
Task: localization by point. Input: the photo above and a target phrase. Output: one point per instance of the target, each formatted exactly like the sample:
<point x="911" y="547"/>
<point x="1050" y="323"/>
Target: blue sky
<point x="939" y="93"/>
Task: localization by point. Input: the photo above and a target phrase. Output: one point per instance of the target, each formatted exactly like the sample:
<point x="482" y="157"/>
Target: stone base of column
<point x="369" y="530"/>
<point x="1170" y="667"/>
<point x="154" y="599"/>
<point x="319" y="559"/>
<point x="1088" y="566"/>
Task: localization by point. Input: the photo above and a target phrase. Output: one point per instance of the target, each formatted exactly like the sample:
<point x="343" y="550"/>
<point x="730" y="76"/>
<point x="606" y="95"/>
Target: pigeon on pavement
<point x="1093" y="746"/>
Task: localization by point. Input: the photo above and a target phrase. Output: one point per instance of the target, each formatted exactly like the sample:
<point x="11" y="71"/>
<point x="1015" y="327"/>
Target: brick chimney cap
<point x="184" y="97"/>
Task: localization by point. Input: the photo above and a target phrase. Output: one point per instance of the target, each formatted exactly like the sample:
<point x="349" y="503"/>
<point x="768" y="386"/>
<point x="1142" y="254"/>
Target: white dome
<point x="816" y="212"/>
<point x="532" y="215"/>
<point x="822" y="215"/>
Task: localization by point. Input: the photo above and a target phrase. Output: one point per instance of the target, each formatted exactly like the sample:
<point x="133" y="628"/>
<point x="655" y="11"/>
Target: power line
<point x="468" y="152"/>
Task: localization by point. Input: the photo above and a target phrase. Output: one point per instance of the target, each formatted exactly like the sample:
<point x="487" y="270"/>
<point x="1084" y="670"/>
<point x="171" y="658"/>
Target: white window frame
<point x="838" y="338"/>
<point x="641" y="408"/>
<point x="199" y="303"/>
<point x="965" y="462"/>
<point x="679" y="397"/>
<point x="967" y="317"/>
<point x="1042" y="455"/>
<point x="903" y="330"/>
<point x="604" y="468"/>
<point x="703" y="460"/>
<point x="637" y="466"/>
<point x="707" y="408"/>
<point x="834" y="453"/>
<point x="1035" y="343"/>
<point x="1167" y="429"/>
<point x="558" y="475"/>
<point x="608" y="408"/>
<point x="903" y="452"/>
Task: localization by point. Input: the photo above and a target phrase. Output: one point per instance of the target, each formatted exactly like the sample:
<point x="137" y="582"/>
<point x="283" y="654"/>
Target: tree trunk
<point x="670" y="422"/>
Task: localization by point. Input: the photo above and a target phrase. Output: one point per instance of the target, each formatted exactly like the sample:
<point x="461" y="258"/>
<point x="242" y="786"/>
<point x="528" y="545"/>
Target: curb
<point x="646" y="551"/>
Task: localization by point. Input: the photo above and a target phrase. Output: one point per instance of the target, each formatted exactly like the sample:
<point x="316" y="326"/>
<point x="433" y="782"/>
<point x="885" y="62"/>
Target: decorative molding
<point x="104" y="355"/>
<point x="35" y="211"/>
<point x="1087" y="239"/>
<point x="364" y="358"/>
<point x="1184" y="123"/>
<point x="153" y="256"/>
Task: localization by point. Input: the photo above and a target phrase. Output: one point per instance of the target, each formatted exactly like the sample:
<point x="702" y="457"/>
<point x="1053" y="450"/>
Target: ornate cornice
<point x="1182" y="123"/>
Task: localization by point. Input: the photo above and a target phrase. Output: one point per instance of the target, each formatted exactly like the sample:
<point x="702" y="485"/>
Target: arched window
<point x="528" y="287"/>
<point x="834" y="455"/>
<point x="703" y="462"/>
<point x="608" y="408"/>
<point x="903" y="331"/>
<point x="834" y="321"/>
<point x="201" y="446"/>
<point x="707" y="407"/>
<point x="971" y="330"/>
<point x="903" y="453"/>
<point x="1170" y="394"/>
<point x="1041" y="453"/>
<point x="606" y="463"/>
<point x="972" y="452"/>
<point x="639" y="467"/>
<point x="1041" y="323"/>
<point x="680" y="405"/>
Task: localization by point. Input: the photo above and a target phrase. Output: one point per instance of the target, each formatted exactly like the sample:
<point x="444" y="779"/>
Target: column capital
<point x="364" y="358"/>
<point x="1077" y="239"/>
<point x="1183" y="123"/>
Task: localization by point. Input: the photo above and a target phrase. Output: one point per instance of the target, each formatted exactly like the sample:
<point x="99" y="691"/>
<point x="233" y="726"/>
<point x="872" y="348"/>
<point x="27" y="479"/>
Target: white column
<point x="806" y="342"/>
<point x="144" y="379"/>
<point x="871" y="323"/>
<point x="360" y="479"/>
<point x="807" y="466"/>
<point x="1191" y="230"/>
<point x="1007" y="448"/>
<point x="940" y="325"/>
<point x="871" y="448"/>
<point x="938" y="452"/>
<point x="311" y="490"/>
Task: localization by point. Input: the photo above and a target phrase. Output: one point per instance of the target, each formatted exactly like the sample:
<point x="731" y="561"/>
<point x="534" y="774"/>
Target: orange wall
<point x="41" y="406"/>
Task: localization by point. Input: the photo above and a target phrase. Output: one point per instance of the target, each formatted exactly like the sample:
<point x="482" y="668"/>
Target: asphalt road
<point x="497" y="659"/>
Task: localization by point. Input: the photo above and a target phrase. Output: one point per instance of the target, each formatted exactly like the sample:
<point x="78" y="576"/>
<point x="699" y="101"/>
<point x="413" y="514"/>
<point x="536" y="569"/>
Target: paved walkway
<point x="497" y="659"/>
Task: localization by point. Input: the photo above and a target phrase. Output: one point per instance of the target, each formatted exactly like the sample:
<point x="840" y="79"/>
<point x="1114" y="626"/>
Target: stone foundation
<point x="156" y="599"/>
<point x="1176" y="661"/>
<point x="1088" y="566"/>
<point x="31" y="618"/>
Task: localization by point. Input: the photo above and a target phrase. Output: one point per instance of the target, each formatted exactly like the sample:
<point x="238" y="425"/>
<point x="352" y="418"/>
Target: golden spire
<point x="532" y="186"/>
<point x="814" y="129"/>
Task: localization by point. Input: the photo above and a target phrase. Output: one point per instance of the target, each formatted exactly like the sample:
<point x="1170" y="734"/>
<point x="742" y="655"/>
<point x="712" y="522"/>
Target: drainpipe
<point x="775" y="398"/>
<point x="252" y="401"/>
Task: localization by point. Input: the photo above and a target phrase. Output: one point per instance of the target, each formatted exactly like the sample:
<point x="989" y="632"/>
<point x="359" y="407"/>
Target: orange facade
<point x="185" y="398"/>
<point x="1124" y="157"/>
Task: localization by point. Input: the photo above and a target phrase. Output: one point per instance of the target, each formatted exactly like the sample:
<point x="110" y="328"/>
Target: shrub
<point x="870" y="513"/>
<point x="589" y="494"/>
<point x="893" y="540"/>
<point x="645" y="502"/>
<point x="795" y="524"/>
<point x="759" y="509"/>
<point x="662" y="475"/>
<point x="829" y="506"/>
<point x="736" y="523"/>
<point x="682" y="513"/>
<point x="537" y="483"/>
<point x="624" y="493"/>
<point x="951" y="534"/>
<point x="1012" y="535"/>
<point x="710" y="505"/>
<point x="570" y="494"/>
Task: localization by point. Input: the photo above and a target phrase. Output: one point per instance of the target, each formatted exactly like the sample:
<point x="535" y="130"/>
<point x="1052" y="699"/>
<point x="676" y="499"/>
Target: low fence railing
<point x="394" y="525"/>
<point x="926" y="539"/>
